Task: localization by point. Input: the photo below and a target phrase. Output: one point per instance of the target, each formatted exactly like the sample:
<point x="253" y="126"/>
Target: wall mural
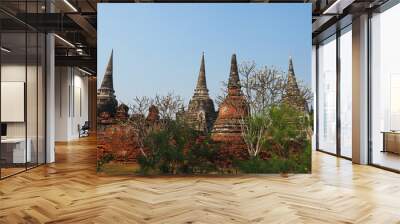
<point x="252" y="118"/>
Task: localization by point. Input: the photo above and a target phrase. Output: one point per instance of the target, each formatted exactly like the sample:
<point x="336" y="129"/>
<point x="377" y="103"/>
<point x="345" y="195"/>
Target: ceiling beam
<point x="338" y="6"/>
<point x="85" y="25"/>
<point x="77" y="61"/>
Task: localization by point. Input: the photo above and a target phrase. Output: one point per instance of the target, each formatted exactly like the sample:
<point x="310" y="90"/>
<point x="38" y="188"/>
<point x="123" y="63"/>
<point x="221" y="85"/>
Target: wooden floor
<point x="386" y="159"/>
<point x="69" y="191"/>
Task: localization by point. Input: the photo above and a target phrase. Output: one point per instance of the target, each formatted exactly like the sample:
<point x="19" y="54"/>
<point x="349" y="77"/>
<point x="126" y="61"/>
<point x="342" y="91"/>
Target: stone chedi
<point x="227" y="127"/>
<point x="201" y="112"/>
<point x="292" y="95"/>
<point x="153" y="115"/>
<point x="122" y="112"/>
<point x="106" y="100"/>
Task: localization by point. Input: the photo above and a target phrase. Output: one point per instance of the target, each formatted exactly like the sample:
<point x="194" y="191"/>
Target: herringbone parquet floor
<point x="69" y="191"/>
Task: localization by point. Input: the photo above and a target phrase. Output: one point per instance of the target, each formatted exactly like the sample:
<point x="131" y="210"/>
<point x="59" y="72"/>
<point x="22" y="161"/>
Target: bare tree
<point x="139" y="108"/>
<point x="247" y="72"/>
<point x="224" y="92"/>
<point x="262" y="87"/>
<point x="253" y="131"/>
<point x="140" y="105"/>
<point x="305" y="92"/>
<point x="168" y="105"/>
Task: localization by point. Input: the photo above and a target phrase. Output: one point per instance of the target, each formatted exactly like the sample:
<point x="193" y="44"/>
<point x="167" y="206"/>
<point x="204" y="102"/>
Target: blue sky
<point x="158" y="47"/>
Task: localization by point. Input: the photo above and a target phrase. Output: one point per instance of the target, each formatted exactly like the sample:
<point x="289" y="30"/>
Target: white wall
<point x="71" y="102"/>
<point x="61" y="103"/>
<point x="80" y="111"/>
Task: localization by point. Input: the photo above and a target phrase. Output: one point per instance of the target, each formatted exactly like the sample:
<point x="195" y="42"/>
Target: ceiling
<point x="75" y="21"/>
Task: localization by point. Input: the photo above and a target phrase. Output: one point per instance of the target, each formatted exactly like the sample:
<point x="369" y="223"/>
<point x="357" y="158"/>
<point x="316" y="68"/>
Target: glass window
<point x="327" y="95"/>
<point x="346" y="92"/>
<point x="22" y="88"/>
<point x="385" y="89"/>
<point x="14" y="153"/>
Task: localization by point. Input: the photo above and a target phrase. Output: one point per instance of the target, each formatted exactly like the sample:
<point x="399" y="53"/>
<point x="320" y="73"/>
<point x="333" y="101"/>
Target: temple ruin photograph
<point x="212" y="89"/>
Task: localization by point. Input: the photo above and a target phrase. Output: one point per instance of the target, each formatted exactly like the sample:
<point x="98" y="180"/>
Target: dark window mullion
<point x="316" y="110"/>
<point x="0" y="96"/>
<point x="369" y="90"/>
<point x="338" y="73"/>
<point x="37" y="90"/>
<point x="26" y="86"/>
<point x="45" y="88"/>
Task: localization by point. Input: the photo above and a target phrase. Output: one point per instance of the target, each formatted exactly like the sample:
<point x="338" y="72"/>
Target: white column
<point x="360" y="90"/>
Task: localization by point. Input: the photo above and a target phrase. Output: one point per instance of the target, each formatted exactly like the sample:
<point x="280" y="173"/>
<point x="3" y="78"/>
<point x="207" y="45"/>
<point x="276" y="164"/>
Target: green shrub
<point x="200" y="158"/>
<point x="284" y="139"/>
<point x="175" y="149"/>
<point x="296" y="163"/>
<point x="178" y="149"/>
<point x="287" y="130"/>
<point x="253" y="165"/>
<point x="106" y="158"/>
<point x="303" y="160"/>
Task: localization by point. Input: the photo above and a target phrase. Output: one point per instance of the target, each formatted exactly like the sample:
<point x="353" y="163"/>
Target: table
<point x="391" y="141"/>
<point x="13" y="150"/>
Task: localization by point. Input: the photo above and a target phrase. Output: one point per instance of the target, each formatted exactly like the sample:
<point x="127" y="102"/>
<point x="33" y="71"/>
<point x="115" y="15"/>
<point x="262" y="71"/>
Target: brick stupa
<point x="227" y="128"/>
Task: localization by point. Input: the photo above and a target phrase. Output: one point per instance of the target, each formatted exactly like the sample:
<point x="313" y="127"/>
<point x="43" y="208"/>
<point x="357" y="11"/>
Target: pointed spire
<point x="293" y="95"/>
<point x="291" y="76"/>
<point x="292" y="87"/>
<point x="202" y="66"/>
<point x="291" y="70"/>
<point x="107" y="82"/>
<point x="234" y="81"/>
<point x="201" y="87"/>
<point x="201" y="81"/>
